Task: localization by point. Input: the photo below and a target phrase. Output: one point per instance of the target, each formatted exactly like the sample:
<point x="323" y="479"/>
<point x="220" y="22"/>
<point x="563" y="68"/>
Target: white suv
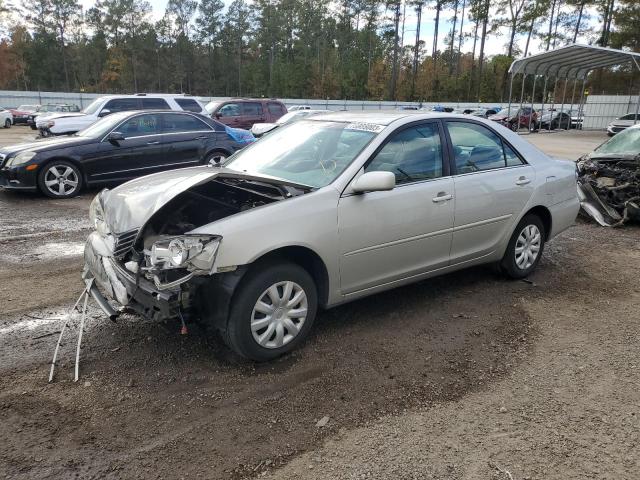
<point x="71" y="122"/>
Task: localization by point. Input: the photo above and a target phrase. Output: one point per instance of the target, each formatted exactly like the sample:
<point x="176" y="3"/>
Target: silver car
<point x="321" y="212"/>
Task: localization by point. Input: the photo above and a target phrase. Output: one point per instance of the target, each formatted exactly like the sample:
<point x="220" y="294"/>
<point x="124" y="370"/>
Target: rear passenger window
<point x="411" y="155"/>
<point x="155" y="104"/>
<point x="175" y="123"/>
<point x="477" y="148"/>
<point x="275" y="109"/>
<point x="252" y="108"/>
<point x="188" y="105"/>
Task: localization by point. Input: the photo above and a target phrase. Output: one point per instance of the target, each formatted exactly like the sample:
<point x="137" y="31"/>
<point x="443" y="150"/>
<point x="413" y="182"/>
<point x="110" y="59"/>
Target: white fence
<point x="598" y="110"/>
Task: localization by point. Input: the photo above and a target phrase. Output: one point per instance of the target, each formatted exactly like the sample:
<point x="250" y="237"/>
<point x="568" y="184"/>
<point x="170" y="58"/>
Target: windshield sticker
<point x="365" y="127"/>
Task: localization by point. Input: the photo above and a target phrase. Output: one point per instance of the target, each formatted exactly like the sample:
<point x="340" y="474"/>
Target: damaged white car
<point x="321" y="212"/>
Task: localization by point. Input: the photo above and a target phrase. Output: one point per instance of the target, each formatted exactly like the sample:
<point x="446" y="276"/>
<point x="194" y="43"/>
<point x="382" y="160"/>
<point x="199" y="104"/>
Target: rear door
<point x="185" y="139"/>
<point x="492" y="186"/>
<point x="252" y="112"/>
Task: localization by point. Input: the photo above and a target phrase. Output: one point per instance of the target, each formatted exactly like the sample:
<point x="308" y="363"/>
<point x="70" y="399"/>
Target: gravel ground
<point x="463" y="376"/>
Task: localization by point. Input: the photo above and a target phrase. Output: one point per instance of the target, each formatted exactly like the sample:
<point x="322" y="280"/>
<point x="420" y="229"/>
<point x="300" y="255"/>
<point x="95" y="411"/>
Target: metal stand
<point x="84" y="295"/>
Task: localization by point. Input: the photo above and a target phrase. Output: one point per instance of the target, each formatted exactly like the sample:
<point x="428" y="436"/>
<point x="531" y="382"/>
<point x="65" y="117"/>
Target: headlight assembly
<point x="21" y="158"/>
<point x="96" y="215"/>
<point x="193" y="252"/>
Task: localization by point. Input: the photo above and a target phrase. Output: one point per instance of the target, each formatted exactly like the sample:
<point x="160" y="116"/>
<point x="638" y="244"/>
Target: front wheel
<point x="215" y="158"/>
<point x="60" y="179"/>
<point x="272" y="311"/>
<point x="7" y="123"/>
<point x="33" y="127"/>
<point x="525" y="248"/>
<point x="515" y="127"/>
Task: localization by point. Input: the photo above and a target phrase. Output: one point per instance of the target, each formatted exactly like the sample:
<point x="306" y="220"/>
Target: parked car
<point x="21" y="114"/>
<point x="122" y="146"/>
<point x="244" y="113"/>
<point x="49" y="110"/>
<point x="484" y="112"/>
<point x="65" y="123"/>
<point x="514" y="118"/>
<point x="554" y="119"/>
<point x="260" y="129"/>
<point x="6" y="118"/>
<point x="621" y="123"/>
<point x="320" y="212"/>
<point x="294" y="108"/>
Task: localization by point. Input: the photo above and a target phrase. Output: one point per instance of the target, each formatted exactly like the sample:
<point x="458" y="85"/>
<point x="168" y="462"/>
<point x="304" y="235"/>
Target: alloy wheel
<point x="279" y="314"/>
<point x="528" y="246"/>
<point x="7" y="123"/>
<point x="216" y="159"/>
<point x="61" y="180"/>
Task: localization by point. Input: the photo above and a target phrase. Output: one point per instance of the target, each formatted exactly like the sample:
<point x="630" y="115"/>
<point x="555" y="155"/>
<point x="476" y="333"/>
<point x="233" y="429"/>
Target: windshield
<point x="306" y="152"/>
<point x="626" y="142"/>
<point x="103" y="126"/>
<point x="92" y="107"/>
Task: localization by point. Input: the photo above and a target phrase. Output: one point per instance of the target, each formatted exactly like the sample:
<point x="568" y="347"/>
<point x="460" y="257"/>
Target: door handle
<point x="523" y="181"/>
<point x="155" y="142"/>
<point x="442" y="197"/>
<point x="202" y="137"/>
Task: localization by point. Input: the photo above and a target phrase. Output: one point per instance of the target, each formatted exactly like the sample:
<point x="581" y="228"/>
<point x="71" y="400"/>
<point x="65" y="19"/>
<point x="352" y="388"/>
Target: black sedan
<point x="117" y="148"/>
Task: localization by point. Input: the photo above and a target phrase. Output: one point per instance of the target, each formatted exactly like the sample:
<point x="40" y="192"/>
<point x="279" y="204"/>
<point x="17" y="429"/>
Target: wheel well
<point x="307" y="259"/>
<point x="543" y="214"/>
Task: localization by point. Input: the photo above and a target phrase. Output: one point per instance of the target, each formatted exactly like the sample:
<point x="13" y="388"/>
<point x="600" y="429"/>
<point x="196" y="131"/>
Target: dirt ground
<point x="463" y="376"/>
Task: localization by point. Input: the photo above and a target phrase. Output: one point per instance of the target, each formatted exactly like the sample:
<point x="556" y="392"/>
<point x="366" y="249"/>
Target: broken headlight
<point x="96" y="215"/>
<point x="194" y="252"/>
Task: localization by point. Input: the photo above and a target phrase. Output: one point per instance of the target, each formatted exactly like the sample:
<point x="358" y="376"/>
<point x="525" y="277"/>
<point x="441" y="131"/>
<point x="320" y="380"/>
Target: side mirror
<point x="115" y="137"/>
<point x="104" y="112"/>
<point x="374" y="182"/>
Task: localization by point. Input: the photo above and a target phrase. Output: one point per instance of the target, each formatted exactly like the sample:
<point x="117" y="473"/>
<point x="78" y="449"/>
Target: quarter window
<point x="140" y="125"/>
<point x="477" y="148"/>
<point x="275" y="108"/>
<point x="155" y="104"/>
<point x="176" y="122"/>
<point x="411" y="155"/>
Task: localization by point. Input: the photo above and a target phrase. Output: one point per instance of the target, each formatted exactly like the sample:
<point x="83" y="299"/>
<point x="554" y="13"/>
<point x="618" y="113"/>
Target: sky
<point x="494" y="44"/>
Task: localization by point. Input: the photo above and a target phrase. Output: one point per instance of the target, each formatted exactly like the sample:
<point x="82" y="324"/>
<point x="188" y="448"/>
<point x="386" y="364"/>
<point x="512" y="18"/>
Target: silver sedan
<point x="319" y="213"/>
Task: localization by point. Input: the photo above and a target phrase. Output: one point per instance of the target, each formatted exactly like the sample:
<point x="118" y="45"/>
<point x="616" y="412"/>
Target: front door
<point x="492" y="186"/>
<point x="138" y="154"/>
<point x="391" y="235"/>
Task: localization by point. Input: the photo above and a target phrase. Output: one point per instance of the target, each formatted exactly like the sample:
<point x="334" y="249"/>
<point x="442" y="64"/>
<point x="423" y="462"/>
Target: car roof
<point x="380" y="117"/>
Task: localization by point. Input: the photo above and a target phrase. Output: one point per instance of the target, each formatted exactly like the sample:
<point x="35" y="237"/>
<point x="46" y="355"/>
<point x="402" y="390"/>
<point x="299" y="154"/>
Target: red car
<point x="514" y="118"/>
<point x="21" y="114"/>
<point x="244" y="112"/>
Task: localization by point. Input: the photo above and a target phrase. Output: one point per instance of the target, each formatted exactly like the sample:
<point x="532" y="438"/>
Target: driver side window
<point x="412" y="155"/>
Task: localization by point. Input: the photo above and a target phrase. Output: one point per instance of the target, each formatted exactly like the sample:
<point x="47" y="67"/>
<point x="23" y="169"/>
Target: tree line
<point x="351" y="49"/>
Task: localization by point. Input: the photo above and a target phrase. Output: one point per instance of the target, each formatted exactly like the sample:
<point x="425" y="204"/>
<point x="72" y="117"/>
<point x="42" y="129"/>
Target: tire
<point x="529" y="233"/>
<point x="33" y="127"/>
<point x="514" y="127"/>
<point x="211" y="158"/>
<point x="609" y="134"/>
<point x="49" y="179"/>
<point x="7" y="123"/>
<point x="247" y="326"/>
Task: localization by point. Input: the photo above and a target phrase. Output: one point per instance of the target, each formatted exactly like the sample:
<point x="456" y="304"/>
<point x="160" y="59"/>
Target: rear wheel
<point x="272" y="311"/>
<point x="525" y="248"/>
<point x="7" y="123"/>
<point x="515" y="127"/>
<point x="60" y="179"/>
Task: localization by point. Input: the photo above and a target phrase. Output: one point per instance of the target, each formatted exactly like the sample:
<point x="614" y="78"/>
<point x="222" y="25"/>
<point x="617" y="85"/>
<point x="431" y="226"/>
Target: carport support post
<point x="524" y="79"/>
<point x="564" y="93"/>
<point x="544" y="94"/>
<point x="533" y="94"/>
<point x="510" y="91"/>
<point x="581" y="107"/>
<point x="635" y="119"/>
<point x="555" y="87"/>
<point x="573" y="93"/>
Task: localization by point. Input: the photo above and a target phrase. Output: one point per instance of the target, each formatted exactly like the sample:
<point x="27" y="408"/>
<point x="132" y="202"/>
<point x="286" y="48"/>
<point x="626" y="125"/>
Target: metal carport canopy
<point x="573" y="61"/>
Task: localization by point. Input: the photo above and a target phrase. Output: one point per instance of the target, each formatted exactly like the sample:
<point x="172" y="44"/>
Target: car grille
<point x="124" y="242"/>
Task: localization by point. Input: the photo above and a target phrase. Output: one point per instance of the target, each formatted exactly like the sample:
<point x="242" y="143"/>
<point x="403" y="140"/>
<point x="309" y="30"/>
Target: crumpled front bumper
<point x="128" y="290"/>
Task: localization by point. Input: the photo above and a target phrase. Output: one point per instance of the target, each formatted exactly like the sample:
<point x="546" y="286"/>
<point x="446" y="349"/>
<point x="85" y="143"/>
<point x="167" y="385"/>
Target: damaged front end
<point x="609" y="188"/>
<point x="143" y="254"/>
